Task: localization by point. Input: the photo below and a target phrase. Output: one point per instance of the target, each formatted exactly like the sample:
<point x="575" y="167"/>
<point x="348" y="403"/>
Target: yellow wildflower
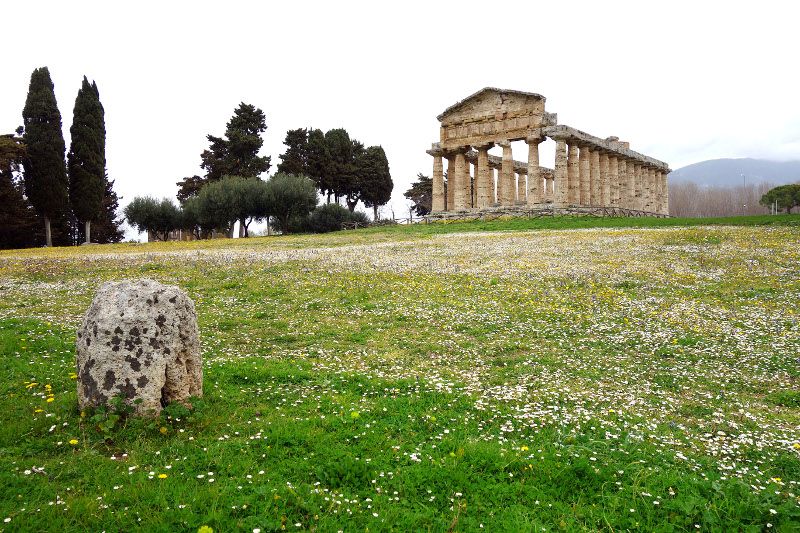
<point x="205" y="529"/>
<point x="163" y="430"/>
<point x="73" y="441"/>
<point x="50" y="399"/>
<point x="162" y="476"/>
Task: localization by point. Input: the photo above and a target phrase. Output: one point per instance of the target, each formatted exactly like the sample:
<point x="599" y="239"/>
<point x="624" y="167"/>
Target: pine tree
<point x="86" y="161"/>
<point x="44" y="168"/>
<point x="375" y="180"/>
<point x="237" y="153"/>
<point x="189" y="187"/>
<point x="295" y="159"/>
<point x="421" y="194"/>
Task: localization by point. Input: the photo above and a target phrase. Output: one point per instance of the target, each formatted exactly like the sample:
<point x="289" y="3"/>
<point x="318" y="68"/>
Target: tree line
<point x="289" y="200"/>
<point x="339" y="166"/>
<point x="47" y="197"/>
<point x="51" y="196"/>
<point x="231" y="190"/>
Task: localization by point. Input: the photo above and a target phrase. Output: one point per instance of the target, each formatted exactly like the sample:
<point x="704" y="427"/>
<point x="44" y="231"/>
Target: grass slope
<point x="413" y="379"/>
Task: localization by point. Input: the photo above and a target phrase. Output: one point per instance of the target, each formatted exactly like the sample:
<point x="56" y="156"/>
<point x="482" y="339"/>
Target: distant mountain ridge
<point x="728" y="172"/>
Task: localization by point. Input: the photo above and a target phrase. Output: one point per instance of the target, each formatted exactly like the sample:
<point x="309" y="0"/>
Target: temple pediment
<point x="493" y="104"/>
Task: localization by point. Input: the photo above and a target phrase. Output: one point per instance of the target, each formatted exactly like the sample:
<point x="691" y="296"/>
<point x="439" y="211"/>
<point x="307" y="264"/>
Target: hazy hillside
<point x="728" y="172"/>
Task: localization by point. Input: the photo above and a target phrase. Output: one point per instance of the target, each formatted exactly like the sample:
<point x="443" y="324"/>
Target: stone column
<point x="505" y="189"/>
<point x="535" y="193"/>
<point x="653" y="191"/>
<point x="649" y="190"/>
<point x="613" y="179"/>
<point x="605" y="182"/>
<point x="561" y="175"/>
<point x="473" y="184"/>
<point x="583" y="176"/>
<point x="660" y="189"/>
<point x="573" y="175"/>
<point x="623" y="182"/>
<point x="451" y="181"/>
<point x="437" y="197"/>
<point x="485" y="178"/>
<point x="461" y="177"/>
<point x="493" y="185"/>
<point x="522" y="188"/>
<point x="665" y="193"/>
<point x="594" y="178"/>
<point x="637" y="187"/>
<point x="645" y="185"/>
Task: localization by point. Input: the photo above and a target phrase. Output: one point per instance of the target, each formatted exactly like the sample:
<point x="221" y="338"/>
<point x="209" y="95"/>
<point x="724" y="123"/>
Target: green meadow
<point x="555" y="374"/>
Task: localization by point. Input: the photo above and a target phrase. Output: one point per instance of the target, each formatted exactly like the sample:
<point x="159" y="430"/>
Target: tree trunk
<point x="329" y="197"/>
<point x="351" y="205"/>
<point x="374" y="213"/>
<point x="242" y="228"/>
<point x="269" y="228"/>
<point x="48" y="235"/>
<point x="88" y="232"/>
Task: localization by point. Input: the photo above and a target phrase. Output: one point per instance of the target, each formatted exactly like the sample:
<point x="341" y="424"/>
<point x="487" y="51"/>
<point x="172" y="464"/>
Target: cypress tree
<point x="340" y="165"/>
<point x="107" y="228"/>
<point x="44" y="169"/>
<point x="86" y="160"/>
<point x="375" y="181"/>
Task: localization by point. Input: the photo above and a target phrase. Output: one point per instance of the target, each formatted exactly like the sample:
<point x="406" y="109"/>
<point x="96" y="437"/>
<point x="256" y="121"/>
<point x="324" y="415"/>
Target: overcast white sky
<point x="681" y="81"/>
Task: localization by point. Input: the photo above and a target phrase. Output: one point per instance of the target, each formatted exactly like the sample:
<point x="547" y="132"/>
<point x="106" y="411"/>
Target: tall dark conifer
<point x="340" y="164"/>
<point x="421" y="194"/>
<point x="108" y="226"/>
<point x="17" y="218"/>
<point x="375" y="181"/>
<point x="237" y="153"/>
<point x="44" y="169"/>
<point x="295" y="159"/>
<point x="318" y="161"/>
<point x="86" y="161"/>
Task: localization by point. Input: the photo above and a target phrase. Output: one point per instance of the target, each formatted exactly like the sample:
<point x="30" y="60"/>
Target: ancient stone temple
<point x="588" y="171"/>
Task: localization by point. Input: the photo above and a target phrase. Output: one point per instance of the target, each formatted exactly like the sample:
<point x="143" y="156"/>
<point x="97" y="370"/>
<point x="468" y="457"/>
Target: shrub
<point x="160" y="217"/>
<point x="330" y="217"/>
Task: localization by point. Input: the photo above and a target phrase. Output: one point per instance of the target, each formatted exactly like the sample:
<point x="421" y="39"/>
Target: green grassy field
<point x="514" y="375"/>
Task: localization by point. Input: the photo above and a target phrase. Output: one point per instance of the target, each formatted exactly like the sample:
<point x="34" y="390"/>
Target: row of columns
<point x="583" y="176"/>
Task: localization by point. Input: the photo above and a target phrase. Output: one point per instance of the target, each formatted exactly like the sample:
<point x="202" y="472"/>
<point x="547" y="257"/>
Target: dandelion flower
<point x="162" y="476"/>
<point x="73" y="441"/>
